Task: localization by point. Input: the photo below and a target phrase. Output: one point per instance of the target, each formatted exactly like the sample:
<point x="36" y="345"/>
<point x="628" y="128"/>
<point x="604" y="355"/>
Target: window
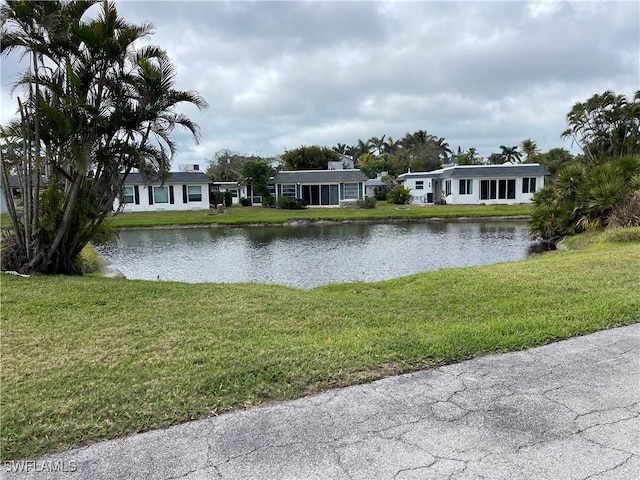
<point x="529" y="185"/>
<point x="492" y="189"/>
<point x="129" y="196"/>
<point x="510" y="186"/>
<point x="419" y="184"/>
<point x="466" y="187"/>
<point x="289" y="190"/>
<point x="315" y="195"/>
<point x="194" y="193"/>
<point x="350" y="191"/>
<point x="487" y="189"/>
<point x="447" y="187"/>
<point x="161" y="194"/>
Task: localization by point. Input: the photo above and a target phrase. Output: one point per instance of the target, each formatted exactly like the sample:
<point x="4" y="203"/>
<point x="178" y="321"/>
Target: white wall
<point x="455" y="198"/>
<point x="178" y="204"/>
<point x="3" y="202"/>
<point x="419" y="197"/>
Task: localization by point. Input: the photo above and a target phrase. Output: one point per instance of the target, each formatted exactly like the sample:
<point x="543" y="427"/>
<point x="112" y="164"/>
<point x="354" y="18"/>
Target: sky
<point x="278" y="75"/>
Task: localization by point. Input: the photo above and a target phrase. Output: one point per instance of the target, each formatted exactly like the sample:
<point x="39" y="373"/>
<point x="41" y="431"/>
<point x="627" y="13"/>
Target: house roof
<point x="320" y="176"/>
<point x="14" y="181"/>
<point x="462" y="171"/>
<point x="374" y="182"/>
<point x="225" y="184"/>
<point x="174" y="177"/>
<point x="518" y="170"/>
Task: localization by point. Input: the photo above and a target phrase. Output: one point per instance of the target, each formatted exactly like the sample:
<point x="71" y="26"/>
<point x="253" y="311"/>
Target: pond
<point x="312" y="255"/>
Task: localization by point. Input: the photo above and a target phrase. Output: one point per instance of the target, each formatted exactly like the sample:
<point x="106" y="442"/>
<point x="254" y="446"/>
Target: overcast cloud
<point x="278" y="75"/>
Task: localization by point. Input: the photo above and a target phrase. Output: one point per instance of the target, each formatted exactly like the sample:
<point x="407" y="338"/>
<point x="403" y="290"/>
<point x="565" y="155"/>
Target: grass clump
<point x="623" y="235"/>
<point x="91" y="358"/>
<point x="90" y="260"/>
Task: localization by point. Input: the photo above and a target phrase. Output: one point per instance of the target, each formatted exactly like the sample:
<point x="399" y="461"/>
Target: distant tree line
<point x="584" y="191"/>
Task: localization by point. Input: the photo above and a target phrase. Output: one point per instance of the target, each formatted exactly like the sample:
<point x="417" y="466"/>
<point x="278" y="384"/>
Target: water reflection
<point x="311" y="255"/>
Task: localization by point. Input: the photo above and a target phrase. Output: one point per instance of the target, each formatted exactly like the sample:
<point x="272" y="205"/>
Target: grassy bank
<point x="93" y="358"/>
<point x="237" y="215"/>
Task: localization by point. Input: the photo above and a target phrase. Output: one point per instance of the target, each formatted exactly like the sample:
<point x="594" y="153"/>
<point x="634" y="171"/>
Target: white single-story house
<point x="476" y="184"/>
<point x="180" y="191"/>
<point x="238" y="191"/>
<point x="321" y="187"/>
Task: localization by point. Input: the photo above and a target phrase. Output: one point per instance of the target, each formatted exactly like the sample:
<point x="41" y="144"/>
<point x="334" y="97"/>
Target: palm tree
<point x="360" y="148"/>
<point x="605" y="126"/>
<point x="442" y="144"/>
<point x="340" y="148"/>
<point x="376" y="144"/>
<point x="529" y="148"/>
<point x="35" y="29"/>
<point x="510" y="154"/>
<point x="391" y="146"/>
<point x="104" y="107"/>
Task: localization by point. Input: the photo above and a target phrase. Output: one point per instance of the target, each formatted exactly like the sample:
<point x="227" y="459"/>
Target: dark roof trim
<point x="174" y="177"/>
<point x="320" y="176"/>
<point x="462" y="171"/>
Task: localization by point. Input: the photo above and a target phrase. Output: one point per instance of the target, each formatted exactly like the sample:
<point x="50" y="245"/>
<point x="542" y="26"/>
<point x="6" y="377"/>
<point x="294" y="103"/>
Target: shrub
<point x="290" y="203"/>
<point x="268" y="201"/>
<point x="245" y="202"/>
<point x="218" y="198"/>
<point x="399" y="195"/>
<point x="627" y="215"/>
<point x="587" y="197"/>
<point x="366" y="202"/>
<point x="228" y="199"/>
<point x="89" y="260"/>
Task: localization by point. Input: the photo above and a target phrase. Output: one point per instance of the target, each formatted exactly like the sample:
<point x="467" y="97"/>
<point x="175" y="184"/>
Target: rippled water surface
<point x="312" y="255"/>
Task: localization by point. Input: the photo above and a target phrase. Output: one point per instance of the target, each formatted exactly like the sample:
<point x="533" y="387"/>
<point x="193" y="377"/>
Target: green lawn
<point x="92" y="358"/>
<point x="238" y="215"/>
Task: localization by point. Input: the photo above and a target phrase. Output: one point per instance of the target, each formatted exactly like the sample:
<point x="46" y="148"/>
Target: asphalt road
<point x="569" y="410"/>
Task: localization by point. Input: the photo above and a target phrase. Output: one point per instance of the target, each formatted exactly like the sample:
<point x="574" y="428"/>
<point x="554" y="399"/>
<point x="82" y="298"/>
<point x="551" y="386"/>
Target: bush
<point x="89" y="260"/>
<point x="399" y="195"/>
<point x="587" y="198"/>
<point x="228" y="199"/>
<point x="627" y="215"/>
<point x="218" y="198"/>
<point x="366" y="202"/>
<point x="290" y="203"/>
<point x="245" y="202"/>
<point x="381" y="194"/>
<point x="268" y="201"/>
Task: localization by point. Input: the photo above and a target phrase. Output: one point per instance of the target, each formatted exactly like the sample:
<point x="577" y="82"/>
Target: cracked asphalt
<point x="569" y="410"/>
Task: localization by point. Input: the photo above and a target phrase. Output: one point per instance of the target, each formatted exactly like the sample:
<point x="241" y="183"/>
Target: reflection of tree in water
<point x="308" y="255"/>
<point x="263" y="236"/>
